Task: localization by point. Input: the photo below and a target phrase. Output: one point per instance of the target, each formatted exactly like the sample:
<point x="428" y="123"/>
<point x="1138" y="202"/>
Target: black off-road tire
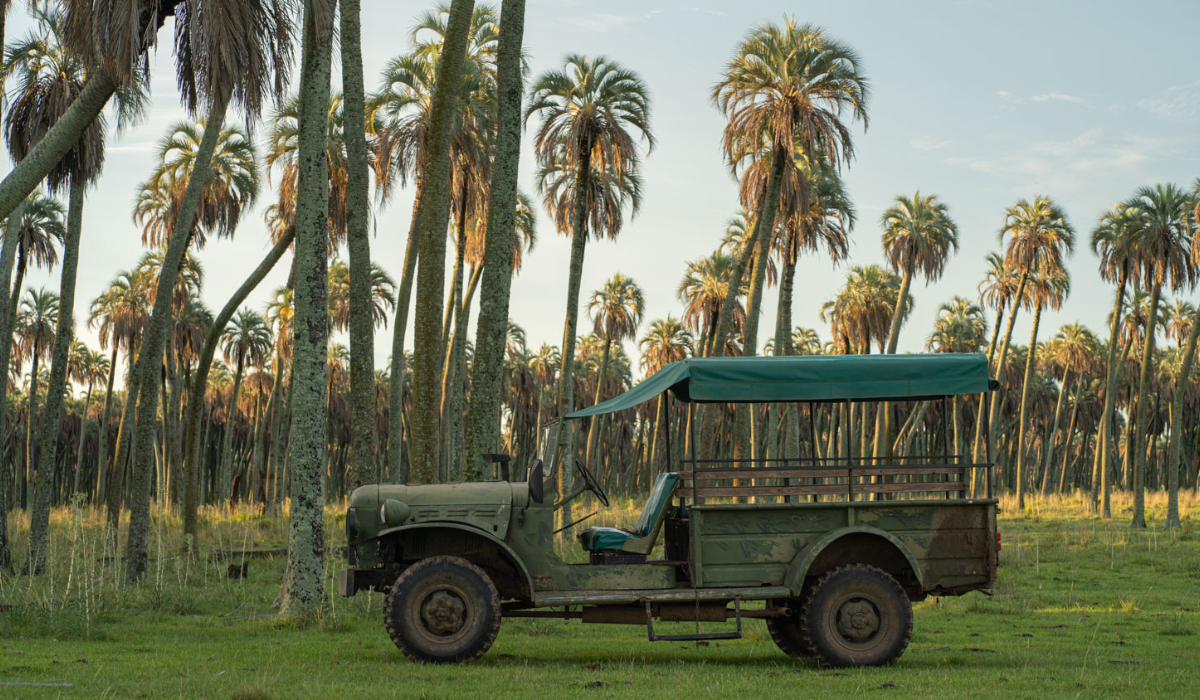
<point x="786" y="632"/>
<point x="857" y="615"/>
<point x="442" y="610"/>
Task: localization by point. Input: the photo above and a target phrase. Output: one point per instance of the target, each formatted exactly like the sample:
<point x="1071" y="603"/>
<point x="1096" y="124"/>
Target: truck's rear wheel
<point x="857" y="615"/>
<point x="442" y="610"/>
<point x="786" y="632"/>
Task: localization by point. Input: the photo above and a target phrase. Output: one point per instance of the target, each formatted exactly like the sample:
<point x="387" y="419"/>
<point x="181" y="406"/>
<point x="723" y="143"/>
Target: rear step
<point x="737" y="613"/>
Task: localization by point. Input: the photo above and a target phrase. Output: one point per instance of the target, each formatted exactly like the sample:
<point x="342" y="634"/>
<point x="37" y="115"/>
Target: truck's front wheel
<point x="443" y="610"/>
<point x="857" y="615"/>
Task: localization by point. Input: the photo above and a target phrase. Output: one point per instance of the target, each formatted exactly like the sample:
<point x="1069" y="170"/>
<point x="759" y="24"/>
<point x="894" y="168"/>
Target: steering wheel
<point x="590" y="483"/>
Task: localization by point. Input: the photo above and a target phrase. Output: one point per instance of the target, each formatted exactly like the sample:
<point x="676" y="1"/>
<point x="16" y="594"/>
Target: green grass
<point x="1084" y="607"/>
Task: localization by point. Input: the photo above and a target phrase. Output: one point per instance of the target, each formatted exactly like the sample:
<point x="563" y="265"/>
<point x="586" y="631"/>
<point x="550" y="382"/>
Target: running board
<point x="737" y="614"/>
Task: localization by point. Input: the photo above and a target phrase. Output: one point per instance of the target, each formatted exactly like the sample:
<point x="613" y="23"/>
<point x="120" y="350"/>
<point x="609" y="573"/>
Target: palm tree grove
<point x="347" y="270"/>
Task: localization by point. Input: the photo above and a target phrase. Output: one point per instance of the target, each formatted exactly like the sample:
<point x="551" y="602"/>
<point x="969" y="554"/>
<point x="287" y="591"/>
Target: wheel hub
<point x="857" y="620"/>
<point x="444" y="613"/>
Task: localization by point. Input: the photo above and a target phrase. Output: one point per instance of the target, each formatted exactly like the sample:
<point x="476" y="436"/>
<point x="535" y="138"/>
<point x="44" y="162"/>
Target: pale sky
<point x="979" y="102"/>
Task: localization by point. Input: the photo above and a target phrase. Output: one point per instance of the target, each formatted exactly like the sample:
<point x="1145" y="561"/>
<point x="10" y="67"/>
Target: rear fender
<point x="506" y="551"/>
<point x="796" y="573"/>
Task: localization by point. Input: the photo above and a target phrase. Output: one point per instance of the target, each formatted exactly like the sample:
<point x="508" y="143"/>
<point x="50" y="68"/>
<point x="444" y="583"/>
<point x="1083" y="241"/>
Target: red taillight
<point x="997" y="541"/>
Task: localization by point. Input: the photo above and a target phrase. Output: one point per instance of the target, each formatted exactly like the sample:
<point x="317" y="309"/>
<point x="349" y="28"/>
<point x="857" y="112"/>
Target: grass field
<point x="1084" y="607"/>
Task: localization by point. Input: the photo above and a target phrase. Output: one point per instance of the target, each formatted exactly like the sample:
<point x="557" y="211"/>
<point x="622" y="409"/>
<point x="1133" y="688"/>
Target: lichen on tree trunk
<point x="303" y="586"/>
<point x="39" y="529"/>
<point x="491" y="332"/>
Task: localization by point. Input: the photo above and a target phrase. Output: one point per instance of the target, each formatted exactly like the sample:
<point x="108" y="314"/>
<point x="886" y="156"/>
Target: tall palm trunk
<point x="1062" y="477"/>
<point x="30" y="416"/>
<point x="1189" y="355"/>
<point x="894" y="330"/>
<point x="303" y="585"/>
<point x="125" y="429"/>
<point x="594" y="428"/>
<point x="362" y="340"/>
<point x="994" y="411"/>
<point x="1141" y="415"/>
<point x="153" y="339"/>
<point x="77" y="475"/>
<point x="1048" y="457"/>
<point x="8" y="256"/>
<point x="764" y="230"/>
<point x="453" y="341"/>
<point x="226" y="458"/>
<point x="39" y="528"/>
<point x="566" y="375"/>
<point x="977" y="443"/>
<point x="487" y="367"/>
<point x="102" y="438"/>
<point x="429" y="351"/>
<point x="1110" y="397"/>
<point x="788" y="415"/>
<point x="399" y="326"/>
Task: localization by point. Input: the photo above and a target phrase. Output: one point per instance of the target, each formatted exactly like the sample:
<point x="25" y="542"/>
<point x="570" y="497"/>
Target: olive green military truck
<point x="828" y="547"/>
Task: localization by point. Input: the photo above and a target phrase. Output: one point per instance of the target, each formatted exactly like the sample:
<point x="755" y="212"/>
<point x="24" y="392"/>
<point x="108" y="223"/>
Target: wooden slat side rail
<point x="756" y="474"/>
<point x="818" y="489"/>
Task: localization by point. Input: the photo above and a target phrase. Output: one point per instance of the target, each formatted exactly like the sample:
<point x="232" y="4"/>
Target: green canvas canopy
<point x="808" y="378"/>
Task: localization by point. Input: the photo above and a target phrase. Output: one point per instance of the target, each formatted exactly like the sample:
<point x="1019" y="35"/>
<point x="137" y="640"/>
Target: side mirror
<point x="536" y="482"/>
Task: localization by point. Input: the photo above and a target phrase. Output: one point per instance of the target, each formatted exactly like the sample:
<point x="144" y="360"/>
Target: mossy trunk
<point x="491" y="332"/>
<point x="362" y="340"/>
<point x="102" y="470"/>
<point x="151" y="352"/>
<point x="399" y="326"/>
<point x="8" y="257"/>
<point x="39" y="529"/>
<point x="429" y="351"/>
<point x="303" y="591"/>
<point x="61" y="138"/>
<point x="1142" y="416"/>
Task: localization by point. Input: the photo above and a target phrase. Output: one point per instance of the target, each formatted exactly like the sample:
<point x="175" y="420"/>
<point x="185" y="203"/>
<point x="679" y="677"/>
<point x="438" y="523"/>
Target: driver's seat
<point x="639" y="540"/>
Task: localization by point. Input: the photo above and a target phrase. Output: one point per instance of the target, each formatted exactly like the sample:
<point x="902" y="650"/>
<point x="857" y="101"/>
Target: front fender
<point x="508" y="551"/>
<point x="794" y="578"/>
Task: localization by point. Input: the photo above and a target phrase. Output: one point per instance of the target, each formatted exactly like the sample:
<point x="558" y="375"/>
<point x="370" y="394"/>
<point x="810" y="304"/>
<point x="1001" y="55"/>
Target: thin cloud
<point x="1012" y="98"/>
<point x="1178" y="102"/>
<point x="927" y="143"/>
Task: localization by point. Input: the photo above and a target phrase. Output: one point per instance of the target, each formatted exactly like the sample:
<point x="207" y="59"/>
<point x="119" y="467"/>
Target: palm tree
<point x="37" y="322"/>
<point x="593" y="112"/>
<point x="88" y="367"/>
<point x="616" y="310"/>
<point x="1162" y="255"/>
<point x="960" y="327"/>
<point x="703" y="291"/>
<point x="232" y="187"/>
<point x="805" y="341"/>
<point x="246" y="340"/>
<point x="118" y="315"/>
<point x="861" y="311"/>
<point x="918" y="237"/>
<point x="783" y="93"/>
<point x="666" y="341"/>
<point x="1071" y="353"/>
<point x="381" y="300"/>
<point x="1113" y="240"/>
<point x="1039" y="239"/>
